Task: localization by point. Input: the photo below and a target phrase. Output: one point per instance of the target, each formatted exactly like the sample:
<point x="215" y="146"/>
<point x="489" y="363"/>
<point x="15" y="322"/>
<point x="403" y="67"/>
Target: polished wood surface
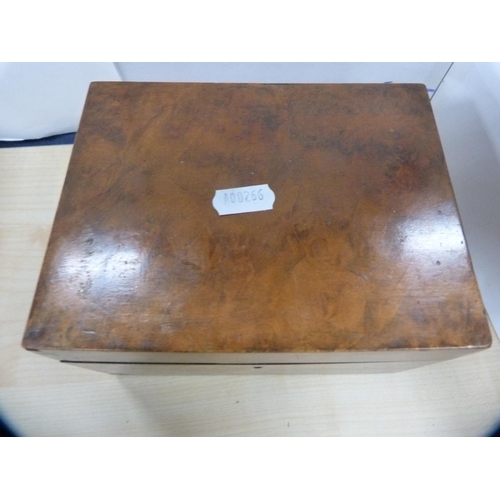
<point x="363" y="250"/>
<point x="40" y="397"/>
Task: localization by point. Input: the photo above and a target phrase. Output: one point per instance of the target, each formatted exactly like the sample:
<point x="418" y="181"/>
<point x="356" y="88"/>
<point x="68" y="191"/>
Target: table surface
<point x="39" y="396"/>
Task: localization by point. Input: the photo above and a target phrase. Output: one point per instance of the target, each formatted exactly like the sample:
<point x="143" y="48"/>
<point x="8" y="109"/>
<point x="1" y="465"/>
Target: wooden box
<point x="360" y="265"/>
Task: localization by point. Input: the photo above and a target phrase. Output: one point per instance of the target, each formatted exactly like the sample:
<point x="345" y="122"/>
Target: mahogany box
<point x="256" y="228"/>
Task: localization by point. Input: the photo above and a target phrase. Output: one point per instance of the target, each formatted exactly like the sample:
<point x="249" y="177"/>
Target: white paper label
<point x="241" y="200"/>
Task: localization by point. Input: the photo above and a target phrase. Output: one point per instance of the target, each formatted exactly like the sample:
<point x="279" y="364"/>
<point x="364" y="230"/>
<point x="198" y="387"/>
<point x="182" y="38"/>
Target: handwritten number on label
<point x="246" y="196"/>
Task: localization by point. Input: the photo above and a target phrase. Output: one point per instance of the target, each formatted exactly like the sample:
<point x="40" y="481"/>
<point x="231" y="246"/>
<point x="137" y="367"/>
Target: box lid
<point x="362" y="250"/>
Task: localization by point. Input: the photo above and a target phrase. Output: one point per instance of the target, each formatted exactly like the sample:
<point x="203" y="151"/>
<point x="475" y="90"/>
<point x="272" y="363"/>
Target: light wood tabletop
<point x="41" y="397"/>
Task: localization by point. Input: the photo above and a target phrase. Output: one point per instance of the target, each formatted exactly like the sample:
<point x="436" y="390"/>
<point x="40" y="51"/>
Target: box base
<point x="263" y="369"/>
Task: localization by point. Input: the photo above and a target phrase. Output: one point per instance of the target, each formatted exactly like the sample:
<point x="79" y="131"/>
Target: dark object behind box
<point x="361" y="260"/>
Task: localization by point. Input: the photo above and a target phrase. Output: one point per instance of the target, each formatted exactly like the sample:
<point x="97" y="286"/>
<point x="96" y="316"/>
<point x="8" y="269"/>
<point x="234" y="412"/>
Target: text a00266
<point x="244" y="196"/>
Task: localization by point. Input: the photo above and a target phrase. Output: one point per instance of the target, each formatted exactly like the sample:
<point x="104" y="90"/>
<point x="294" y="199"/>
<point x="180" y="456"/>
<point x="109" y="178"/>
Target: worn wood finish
<point x="363" y="250"/>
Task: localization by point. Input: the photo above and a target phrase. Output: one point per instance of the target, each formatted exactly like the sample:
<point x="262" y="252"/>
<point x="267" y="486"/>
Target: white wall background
<point x="42" y="99"/>
<point x="429" y="73"/>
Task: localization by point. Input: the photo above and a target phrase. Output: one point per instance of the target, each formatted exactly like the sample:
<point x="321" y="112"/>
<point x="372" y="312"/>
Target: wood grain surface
<point x="363" y="250"/>
<point x="41" y="397"/>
